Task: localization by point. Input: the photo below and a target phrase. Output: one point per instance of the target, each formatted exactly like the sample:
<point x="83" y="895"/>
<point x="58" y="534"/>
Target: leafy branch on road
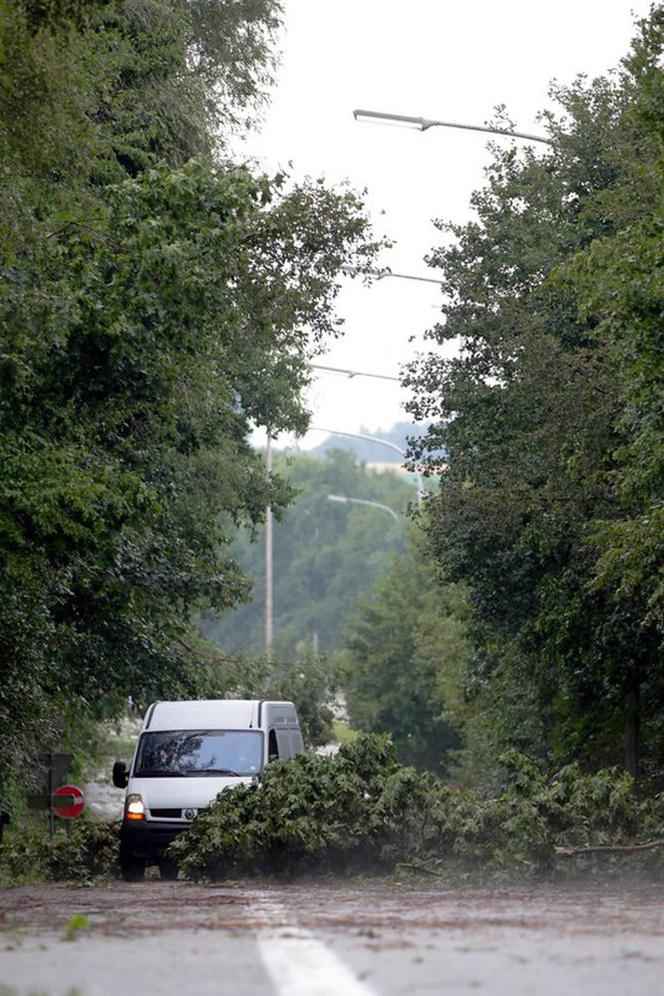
<point x="361" y="811"/>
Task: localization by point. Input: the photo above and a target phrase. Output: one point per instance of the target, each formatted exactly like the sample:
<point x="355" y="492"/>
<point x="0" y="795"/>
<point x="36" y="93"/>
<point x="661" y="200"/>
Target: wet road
<point x="244" y="940"/>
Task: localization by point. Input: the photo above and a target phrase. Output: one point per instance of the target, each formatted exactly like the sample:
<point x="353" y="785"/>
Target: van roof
<point x="206" y="714"/>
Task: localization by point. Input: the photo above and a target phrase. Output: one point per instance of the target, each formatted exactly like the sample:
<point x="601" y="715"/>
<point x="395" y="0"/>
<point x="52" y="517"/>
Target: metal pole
<point x="423" y="124"/>
<point x="269" y="590"/>
<point x="353" y="373"/>
<point x="363" y="501"/>
<point x="382" y="442"/>
<point x="381" y="274"/>
<point x="51" y="814"/>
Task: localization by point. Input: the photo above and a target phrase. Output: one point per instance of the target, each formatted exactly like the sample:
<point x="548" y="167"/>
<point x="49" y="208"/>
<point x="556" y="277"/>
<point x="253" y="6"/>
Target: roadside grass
<point x="118" y="743"/>
<point x="121" y="739"/>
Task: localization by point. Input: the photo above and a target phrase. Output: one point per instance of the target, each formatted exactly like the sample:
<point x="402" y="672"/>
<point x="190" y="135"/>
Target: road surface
<point x="318" y="940"/>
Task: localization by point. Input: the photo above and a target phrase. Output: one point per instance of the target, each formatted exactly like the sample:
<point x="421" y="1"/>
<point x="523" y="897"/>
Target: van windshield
<point x="189" y="753"/>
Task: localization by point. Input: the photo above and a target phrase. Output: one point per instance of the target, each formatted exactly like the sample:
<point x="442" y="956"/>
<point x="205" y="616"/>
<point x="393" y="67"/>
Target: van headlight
<point x="134" y="808"/>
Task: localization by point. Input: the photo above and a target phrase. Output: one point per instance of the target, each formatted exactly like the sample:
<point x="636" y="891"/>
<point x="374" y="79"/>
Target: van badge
<point x="189" y="814"/>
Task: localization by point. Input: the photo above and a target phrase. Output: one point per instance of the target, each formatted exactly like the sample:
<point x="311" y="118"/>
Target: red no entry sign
<point x="72" y="802"/>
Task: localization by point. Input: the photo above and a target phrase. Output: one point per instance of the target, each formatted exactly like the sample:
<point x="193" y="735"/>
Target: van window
<point x="296" y="744"/>
<point x="272" y="748"/>
<point x="283" y="743"/>
<point x="197" y="753"/>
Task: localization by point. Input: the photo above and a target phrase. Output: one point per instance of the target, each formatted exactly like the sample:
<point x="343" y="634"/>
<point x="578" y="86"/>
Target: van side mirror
<point x="120" y="775"/>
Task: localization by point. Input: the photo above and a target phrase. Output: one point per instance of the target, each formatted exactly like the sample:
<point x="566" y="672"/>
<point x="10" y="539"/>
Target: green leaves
<point x="551" y="419"/>
<point x="313" y="812"/>
<point x="156" y="304"/>
<point x="360" y="811"/>
<point x="86" y="851"/>
<point x="404" y="654"/>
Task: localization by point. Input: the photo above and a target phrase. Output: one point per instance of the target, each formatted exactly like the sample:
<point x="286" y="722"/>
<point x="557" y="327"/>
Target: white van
<point x="188" y="752"/>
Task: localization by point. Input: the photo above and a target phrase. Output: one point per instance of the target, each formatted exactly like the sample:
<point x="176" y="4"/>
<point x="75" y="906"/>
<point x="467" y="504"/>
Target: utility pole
<point x="269" y="590"/>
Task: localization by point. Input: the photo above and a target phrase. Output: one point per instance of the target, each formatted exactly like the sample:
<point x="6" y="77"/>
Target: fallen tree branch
<point x="419" y="868"/>
<point x="650" y="845"/>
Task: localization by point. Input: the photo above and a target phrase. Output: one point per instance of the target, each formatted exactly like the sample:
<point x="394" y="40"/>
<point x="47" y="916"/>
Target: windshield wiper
<point x="190" y="773"/>
<point x="215" y="771"/>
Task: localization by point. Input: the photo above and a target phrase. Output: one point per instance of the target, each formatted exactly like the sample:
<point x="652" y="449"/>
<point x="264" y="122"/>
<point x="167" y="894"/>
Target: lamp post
<point x="269" y="541"/>
<point x="423" y="124"/>
<point x="386" y="272"/>
<point x="363" y="501"/>
<point x="374" y="439"/>
<point x="269" y="583"/>
<point x="353" y="373"/>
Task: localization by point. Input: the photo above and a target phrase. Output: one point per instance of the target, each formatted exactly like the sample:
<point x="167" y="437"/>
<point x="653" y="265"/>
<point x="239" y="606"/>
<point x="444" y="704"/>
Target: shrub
<point x="86" y="851"/>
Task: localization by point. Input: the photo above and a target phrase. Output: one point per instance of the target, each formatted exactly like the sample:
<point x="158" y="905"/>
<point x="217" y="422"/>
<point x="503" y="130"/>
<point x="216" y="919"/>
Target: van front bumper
<point x="148" y="839"/>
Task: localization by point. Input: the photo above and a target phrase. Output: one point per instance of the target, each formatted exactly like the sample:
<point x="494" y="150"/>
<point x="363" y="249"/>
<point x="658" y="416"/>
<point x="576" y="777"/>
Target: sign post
<point x="56" y="765"/>
<point x="51" y="814"/>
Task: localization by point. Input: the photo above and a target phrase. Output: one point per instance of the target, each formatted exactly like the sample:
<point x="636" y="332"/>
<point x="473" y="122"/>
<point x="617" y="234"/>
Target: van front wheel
<point x="133" y="869"/>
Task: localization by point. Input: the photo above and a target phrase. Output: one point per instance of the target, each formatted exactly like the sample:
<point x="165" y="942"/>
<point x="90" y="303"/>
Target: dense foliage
<point x="83" y="852"/>
<point x="361" y="811"/>
<point x="156" y="302"/>
<point x="549" y="509"/>
<point x="404" y="651"/>
<point x="326" y="556"/>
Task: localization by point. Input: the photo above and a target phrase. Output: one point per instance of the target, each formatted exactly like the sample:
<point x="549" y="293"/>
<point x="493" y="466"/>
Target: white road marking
<point x="299" y="964"/>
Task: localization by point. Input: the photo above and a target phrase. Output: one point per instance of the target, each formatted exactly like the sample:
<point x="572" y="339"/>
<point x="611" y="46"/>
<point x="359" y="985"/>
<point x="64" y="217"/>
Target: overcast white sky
<point x="436" y="58"/>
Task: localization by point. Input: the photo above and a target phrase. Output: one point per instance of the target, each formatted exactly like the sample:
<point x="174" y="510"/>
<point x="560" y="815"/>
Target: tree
<point x="326" y="556"/>
<point x="154" y="306"/>
<point x="532" y="416"/>
<point x="404" y="652"/>
<point x="618" y="281"/>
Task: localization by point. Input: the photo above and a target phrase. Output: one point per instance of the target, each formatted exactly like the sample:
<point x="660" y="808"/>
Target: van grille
<point x="167" y="814"/>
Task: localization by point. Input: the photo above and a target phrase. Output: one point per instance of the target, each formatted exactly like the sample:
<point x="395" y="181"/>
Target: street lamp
<point x="381" y="442"/>
<point x="363" y="501"/>
<point x="353" y="373"/>
<point x="269" y="546"/>
<point x="386" y="272"/>
<point x="423" y="124"/>
<point x="359" y="435"/>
